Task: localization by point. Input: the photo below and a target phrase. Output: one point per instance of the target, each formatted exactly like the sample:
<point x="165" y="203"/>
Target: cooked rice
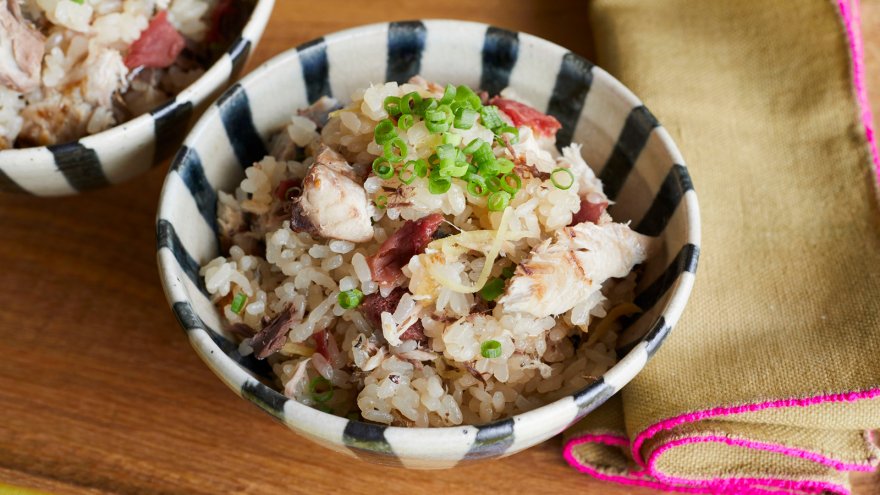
<point x="376" y="375"/>
<point x="83" y="72"/>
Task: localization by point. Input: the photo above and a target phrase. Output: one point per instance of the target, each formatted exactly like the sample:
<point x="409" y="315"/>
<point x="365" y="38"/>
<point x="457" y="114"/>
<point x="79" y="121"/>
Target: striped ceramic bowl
<point x="130" y="149"/>
<point x="635" y="157"/>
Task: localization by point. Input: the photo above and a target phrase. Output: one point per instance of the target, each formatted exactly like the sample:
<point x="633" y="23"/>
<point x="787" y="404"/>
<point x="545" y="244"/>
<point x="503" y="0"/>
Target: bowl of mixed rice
<point x="426" y="242"/>
<point x="95" y="92"/>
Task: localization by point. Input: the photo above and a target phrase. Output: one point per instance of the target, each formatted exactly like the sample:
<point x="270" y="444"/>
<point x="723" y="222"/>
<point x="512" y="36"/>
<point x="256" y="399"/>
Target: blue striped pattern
<point x="235" y="113"/>
<point x="406" y="41"/>
<point x="315" y="69"/>
<point x="80" y="166"/>
<point x="569" y="94"/>
<point x="170" y="122"/>
<point x="492" y="440"/>
<point x="500" y="52"/>
<point x="166" y="237"/>
<point x="188" y="165"/>
<point x="633" y="138"/>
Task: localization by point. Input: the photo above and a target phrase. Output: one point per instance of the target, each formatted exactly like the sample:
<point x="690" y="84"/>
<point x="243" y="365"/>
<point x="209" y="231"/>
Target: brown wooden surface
<point x="100" y="391"/>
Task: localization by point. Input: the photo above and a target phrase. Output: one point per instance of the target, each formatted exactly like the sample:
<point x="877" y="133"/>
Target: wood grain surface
<point x="100" y="391"/>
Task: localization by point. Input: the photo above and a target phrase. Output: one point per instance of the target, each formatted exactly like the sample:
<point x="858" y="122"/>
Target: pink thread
<point x="670" y="423"/>
<point x="697" y="487"/>
<point x="852" y="24"/>
<point x="736" y="442"/>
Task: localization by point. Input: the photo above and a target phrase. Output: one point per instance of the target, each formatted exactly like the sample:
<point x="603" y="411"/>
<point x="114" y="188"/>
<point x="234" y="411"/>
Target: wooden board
<point x="100" y="391"/>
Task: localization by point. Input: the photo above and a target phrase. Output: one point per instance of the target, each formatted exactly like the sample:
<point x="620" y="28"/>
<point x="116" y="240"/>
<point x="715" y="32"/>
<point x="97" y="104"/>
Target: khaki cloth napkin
<point x="771" y="381"/>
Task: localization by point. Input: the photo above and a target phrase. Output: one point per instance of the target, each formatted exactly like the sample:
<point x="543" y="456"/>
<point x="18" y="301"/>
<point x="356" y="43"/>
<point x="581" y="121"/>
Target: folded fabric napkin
<point x="771" y="381"/>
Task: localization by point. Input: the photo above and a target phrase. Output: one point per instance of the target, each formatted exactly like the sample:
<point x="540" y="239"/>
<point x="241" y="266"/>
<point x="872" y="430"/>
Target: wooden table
<point x="100" y="391"/>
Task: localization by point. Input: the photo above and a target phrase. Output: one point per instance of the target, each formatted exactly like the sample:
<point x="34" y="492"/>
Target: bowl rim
<point x="296" y="414"/>
<point x="197" y="91"/>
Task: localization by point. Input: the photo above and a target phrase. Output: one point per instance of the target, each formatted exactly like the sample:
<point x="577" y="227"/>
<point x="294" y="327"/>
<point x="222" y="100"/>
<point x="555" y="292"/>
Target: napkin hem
<point x="740" y="486"/>
<point x="700" y="415"/>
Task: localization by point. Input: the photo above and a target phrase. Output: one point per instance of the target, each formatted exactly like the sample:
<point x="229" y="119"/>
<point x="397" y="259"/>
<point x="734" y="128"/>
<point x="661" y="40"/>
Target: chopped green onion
<point x="483" y="154"/>
<point x="559" y="172"/>
<point x="384" y="132"/>
<point x="451" y="138"/>
<point x="80" y="2"/>
<point x="504" y="165"/>
<point x="381" y="202"/>
<point x="421" y="168"/>
<point x="473" y="146"/>
<point x="410" y="102"/>
<point x="392" y="105"/>
<point x="467" y="98"/>
<point x="492" y="290"/>
<point x="509" y="129"/>
<point x="498" y="200"/>
<point x="439" y="185"/>
<point x="405" y="121"/>
<point x="489" y="168"/>
<point x="399" y="145"/>
<point x="477" y="186"/>
<point x="323" y="383"/>
<point x="490" y="349"/>
<point x="382" y="168"/>
<point x="458" y="169"/>
<point x="425" y="106"/>
<point x="507" y="186"/>
<point x="238" y="303"/>
<point x="465" y="118"/>
<point x="351" y="299"/>
<point x="448" y="95"/>
<point x="508" y="271"/>
<point x="493" y="184"/>
<point x="491" y="117"/>
<point x="436" y="127"/>
<point x="407" y="174"/>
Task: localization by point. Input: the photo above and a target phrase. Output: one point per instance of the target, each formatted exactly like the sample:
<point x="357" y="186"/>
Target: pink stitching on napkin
<point x="748" y="487"/>
<point x="852" y="24"/>
<point x="745" y="408"/>
<point x="713" y="485"/>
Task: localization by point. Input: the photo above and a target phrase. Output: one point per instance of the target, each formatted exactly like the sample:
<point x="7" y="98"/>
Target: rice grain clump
<point x="69" y="68"/>
<point x="424" y="256"/>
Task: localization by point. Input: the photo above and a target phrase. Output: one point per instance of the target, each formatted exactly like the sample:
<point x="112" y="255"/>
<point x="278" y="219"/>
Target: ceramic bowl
<point x="129" y="149"/>
<point x="641" y="167"/>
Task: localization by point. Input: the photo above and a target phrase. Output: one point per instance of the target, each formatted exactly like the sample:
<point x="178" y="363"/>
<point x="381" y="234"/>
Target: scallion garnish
<point x="490" y="349"/>
<point x="320" y="389"/>
<point x="491" y="117"/>
<point x="385" y="131"/>
<point x="477" y="186"/>
<point x="473" y="146"/>
<point x="238" y="303"/>
<point x="382" y="168"/>
<point x="395" y="150"/>
<point x="448" y="95"/>
<point x="559" y="174"/>
<point x="492" y="289"/>
<point x="409" y="103"/>
<point x="421" y="168"/>
<point x="392" y="105"/>
<point x="405" y="121"/>
<point x="439" y="185"/>
<point x="465" y="118"/>
<point x="407" y="174"/>
<point x="381" y="201"/>
<point x="498" y="201"/>
<point x="350" y="299"/>
<point x="513" y="187"/>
